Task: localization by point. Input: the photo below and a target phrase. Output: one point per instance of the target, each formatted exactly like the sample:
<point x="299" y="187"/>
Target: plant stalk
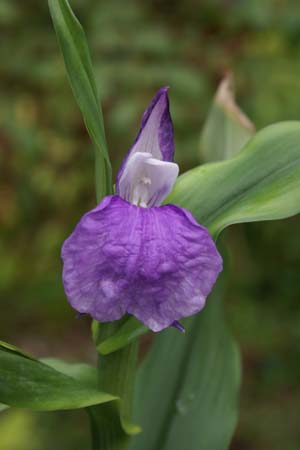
<point x="116" y="372"/>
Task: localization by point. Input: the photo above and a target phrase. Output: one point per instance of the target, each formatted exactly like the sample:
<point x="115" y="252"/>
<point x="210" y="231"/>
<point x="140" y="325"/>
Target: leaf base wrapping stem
<point x="110" y="423"/>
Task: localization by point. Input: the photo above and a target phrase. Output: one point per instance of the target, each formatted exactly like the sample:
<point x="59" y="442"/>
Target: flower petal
<point x="87" y="287"/>
<point x="146" y="181"/>
<point x="156" y="133"/>
<point x="155" y="263"/>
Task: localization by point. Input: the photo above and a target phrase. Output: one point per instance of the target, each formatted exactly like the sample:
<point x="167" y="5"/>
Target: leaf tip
<point x="225" y="97"/>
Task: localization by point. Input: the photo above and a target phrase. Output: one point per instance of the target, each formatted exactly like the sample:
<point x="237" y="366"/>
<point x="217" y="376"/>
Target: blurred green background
<point x="47" y="182"/>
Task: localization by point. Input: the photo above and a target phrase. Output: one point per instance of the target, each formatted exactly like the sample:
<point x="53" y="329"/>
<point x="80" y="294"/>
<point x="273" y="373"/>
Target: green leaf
<point x="111" y="423"/>
<point x="128" y="332"/>
<point x="12" y="348"/>
<point x="29" y="383"/>
<point x="72" y="41"/>
<point x="261" y="183"/>
<point x="187" y="388"/>
<point x="227" y="129"/>
<point x="82" y="372"/>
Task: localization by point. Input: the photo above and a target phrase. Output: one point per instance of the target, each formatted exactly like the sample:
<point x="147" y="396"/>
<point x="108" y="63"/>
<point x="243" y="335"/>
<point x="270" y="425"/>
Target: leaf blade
<point x="29" y="383"/>
<point x="185" y="389"/>
<point x="128" y="332"/>
<point x="82" y="372"/>
<point x="227" y="129"/>
<point x="72" y="41"/>
<point x="261" y="183"/>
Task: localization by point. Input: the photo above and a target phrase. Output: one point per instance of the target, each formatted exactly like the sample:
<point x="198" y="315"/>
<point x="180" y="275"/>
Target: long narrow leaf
<point x="188" y="386"/>
<point x="28" y="383"/>
<point x="71" y="38"/>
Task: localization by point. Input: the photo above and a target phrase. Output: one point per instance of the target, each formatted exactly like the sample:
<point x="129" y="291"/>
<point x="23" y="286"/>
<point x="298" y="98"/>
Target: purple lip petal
<point x="156" y="133"/>
<point x="178" y="326"/>
<point x="155" y="263"/>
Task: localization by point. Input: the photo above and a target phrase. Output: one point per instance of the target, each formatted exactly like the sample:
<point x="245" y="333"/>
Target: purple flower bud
<point x="130" y="255"/>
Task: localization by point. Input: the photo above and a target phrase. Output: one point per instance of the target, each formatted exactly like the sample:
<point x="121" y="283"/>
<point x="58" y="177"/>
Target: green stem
<point x="116" y="376"/>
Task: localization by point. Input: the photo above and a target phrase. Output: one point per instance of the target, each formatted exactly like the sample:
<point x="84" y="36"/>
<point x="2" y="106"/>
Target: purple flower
<point x="131" y="255"/>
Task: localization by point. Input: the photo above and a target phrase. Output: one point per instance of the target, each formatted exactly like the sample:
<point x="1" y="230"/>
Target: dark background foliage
<point x="47" y="183"/>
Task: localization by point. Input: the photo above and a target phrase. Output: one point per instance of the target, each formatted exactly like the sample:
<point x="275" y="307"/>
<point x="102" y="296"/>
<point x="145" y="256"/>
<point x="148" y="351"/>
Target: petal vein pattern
<point x="155" y="263"/>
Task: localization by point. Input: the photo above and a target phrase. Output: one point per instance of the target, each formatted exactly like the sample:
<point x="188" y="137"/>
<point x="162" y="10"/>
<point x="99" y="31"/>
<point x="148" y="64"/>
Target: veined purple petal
<point x="156" y="133"/>
<point x="155" y="263"/>
<point x="146" y="181"/>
